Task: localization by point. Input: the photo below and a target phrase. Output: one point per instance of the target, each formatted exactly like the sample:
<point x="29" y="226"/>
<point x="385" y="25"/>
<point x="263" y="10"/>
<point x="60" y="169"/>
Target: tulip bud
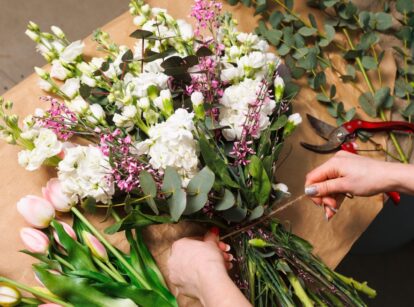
<point x="54" y="194"/>
<point x="197" y="99"/>
<point x="37" y="211"/>
<point x="9" y="296"/>
<point x="96" y="247"/>
<point x="50" y="305"/>
<point x="57" y="31"/>
<point x="68" y="229"/>
<point x="279" y="88"/>
<point x="34" y="240"/>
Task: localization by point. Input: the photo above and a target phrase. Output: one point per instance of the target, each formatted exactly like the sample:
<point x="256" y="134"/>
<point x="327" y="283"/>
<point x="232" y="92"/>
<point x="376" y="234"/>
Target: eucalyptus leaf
<point x="306" y="31"/>
<point x="383" y="98"/>
<point x="322" y="98"/>
<point x="273" y="36"/>
<point x="329" y="35"/>
<point x="235" y="214"/>
<point x="409" y="110"/>
<point x="283" y="50"/>
<point x="383" y="21"/>
<point x="366" y="102"/>
<point x="226" y="202"/>
<point x="198" y="189"/>
<point x="256" y="213"/>
<point x="275" y="19"/>
<point x="369" y="62"/>
<point x="141" y="34"/>
<point x="405" y="6"/>
<point x="177" y="199"/>
<point x="149" y="187"/>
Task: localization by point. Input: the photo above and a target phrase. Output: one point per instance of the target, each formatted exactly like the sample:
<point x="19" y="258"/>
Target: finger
<point x="223" y="246"/>
<point x="317" y="200"/>
<point x="228" y="257"/>
<point x="228" y="265"/>
<point x="211" y="236"/>
<point x="323" y="172"/>
<point x="326" y="188"/>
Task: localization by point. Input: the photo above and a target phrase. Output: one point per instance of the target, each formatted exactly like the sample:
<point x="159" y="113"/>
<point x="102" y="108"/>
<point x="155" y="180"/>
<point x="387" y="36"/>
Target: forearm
<point x="221" y="292"/>
<point x="399" y="177"/>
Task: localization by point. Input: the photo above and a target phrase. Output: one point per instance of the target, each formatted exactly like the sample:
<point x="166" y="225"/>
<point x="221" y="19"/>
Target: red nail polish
<point x="215" y="230"/>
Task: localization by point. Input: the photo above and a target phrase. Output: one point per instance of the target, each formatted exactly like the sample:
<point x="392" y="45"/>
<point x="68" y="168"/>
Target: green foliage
<point x="198" y="189"/>
<point x="172" y="187"/>
<point x="226" y="202"/>
<point x="149" y="188"/>
<point x="261" y="185"/>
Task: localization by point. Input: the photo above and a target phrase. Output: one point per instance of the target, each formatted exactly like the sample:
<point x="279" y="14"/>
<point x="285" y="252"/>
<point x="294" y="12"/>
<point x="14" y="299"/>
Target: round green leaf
<point x="367" y="104"/>
<point x="383" y="21"/>
<point x="235" y="214"/>
<point x="226" y="202"/>
<point x="306" y="31"/>
<point x="202" y="182"/>
<point x="256" y="213"/>
<point x="369" y="62"/>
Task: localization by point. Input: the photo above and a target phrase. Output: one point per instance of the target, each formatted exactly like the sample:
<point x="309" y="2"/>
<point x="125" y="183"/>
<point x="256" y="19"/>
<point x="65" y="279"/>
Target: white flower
<point x="58" y="71"/>
<point x="58" y="46"/>
<point x="247" y="38"/>
<point x="139" y="20"/>
<point x="197" y="98"/>
<point x="97" y="113"/>
<point x="32" y="35"/>
<point x="78" y="105"/>
<point x="236" y="101"/>
<point x="96" y="63"/>
<point x="231" y="74"/>
<point x="143" y="103"/>
<point x="46" y="145"/>
<point x="262" y="45"/>
<point x="126" y="119"/>
<point x="44" y="85"/>
<point x="253" y="60"/>
<point x="171" y="143"/>
<point x="71" y="87"/>
<point x="295" y="119"/>
<point x="88" y="81"/>
<point x="72" y="51"/>
<point x="57" y="31"/>
<point x="83" y="172"/>
<point x="234" y="52"/>
<point x="186" y="30"/>
<point x="281" y="187"/>
<point x="279" y="85"/>
<point x="41" y="72"/>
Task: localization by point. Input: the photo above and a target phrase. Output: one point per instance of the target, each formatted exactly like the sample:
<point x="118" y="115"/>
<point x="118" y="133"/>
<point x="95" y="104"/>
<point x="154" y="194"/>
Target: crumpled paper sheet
<point x="331" y="240"/>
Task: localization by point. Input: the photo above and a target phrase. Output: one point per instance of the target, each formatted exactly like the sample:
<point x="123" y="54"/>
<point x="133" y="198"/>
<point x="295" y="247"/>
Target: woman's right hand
<point x="348" y="173"/>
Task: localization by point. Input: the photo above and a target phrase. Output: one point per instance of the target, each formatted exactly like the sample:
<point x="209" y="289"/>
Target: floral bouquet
<point x="187" y="125"/>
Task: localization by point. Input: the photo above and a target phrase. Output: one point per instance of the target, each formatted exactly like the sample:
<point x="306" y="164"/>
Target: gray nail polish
<point x="311" y="190"/>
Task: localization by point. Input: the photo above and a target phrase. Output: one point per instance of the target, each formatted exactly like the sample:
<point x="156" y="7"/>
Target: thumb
<point x="212" y="236"/>
<point x="325" y="188"/>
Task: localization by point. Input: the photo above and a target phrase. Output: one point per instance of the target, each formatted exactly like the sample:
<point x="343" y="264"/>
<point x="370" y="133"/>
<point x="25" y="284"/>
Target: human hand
<point x="193" y="264"/>
<point x="346" y="173"/>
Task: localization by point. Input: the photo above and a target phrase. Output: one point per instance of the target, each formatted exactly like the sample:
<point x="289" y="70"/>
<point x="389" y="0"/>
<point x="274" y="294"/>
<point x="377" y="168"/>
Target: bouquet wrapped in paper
<point x="186" y="125"/>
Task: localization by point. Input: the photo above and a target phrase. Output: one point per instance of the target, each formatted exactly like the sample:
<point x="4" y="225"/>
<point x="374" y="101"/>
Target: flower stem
<point x="372" y="90"/>
<point x="299" y="291"/>
<point x="361" y="287"/>
<point x="112" y="249"/>
<point x="64" y="262"/>
<point x="35" y="292"/>
<point x="114" y="275"/>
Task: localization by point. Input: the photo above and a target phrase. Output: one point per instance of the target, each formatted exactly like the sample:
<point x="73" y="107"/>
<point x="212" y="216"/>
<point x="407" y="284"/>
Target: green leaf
<point x="364" y="18"/>
<point x="312" y="20"/>
<point x="322" y="98"/>
<point x="382" y="98"/>
<point x="177" y="199"/>
<point x="279" y="123"/>
<point x="261" y="6"/>
<point x="367" y="104"/>
<point x="306" y="31"/>
<point x="347" y="10"/>
<point x="319" y="80"/>
<point x="273" y="36"/>
<point x="226" y="202"/>
<point x="332" y="91"/>
<point x="369" y="62"/>
<point x="233" y="2"/>
<point x="78" y="254"/>
<point x="329" y="35"/>
<point x="289" y="4"/>
<point x="235" y="214"/>
<point x="283" y="50"/>
<point x="409" y="110"/>
<point x="256" y="213"/>
<point x="330" y="3"/>
<point x="405" y="6"/>
<point x="309" y="61"/>
<point x="198" y="189"/>
<point x="141" y="34"/>
<point x="261" y="185"/>
<point x="350" y="114"/>
<point x="352" y="54"/>
<point x="149" y="188"/>
<point x="215" y="163"/>
<point x="383" y="21"/>
<point x="203" y="51"/>
<point x="128" y="56"/>
<point x="367" y="40"/>
<point x="275" y="19"/>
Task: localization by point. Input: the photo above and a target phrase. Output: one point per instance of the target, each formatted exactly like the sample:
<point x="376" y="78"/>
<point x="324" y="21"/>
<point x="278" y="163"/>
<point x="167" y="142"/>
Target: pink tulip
<point x="68" y="229"/>
<point x="37" y="211"/>
<point x="54" y="194"/>
<point x="96" y="247"/>
<point x="34" y="240"/>
<point x="50" y="305"/>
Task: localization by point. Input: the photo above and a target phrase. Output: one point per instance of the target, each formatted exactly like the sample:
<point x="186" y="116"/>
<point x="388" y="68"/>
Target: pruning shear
<point x="343" y="137"/>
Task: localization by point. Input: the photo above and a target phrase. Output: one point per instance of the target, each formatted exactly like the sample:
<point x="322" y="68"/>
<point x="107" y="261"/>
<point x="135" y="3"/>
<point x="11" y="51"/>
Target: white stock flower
<point x="46" y="145"/>
<point x="44" y="85"/>
<point x="247" y="38"/>
<point x="231" y="74"/>
<point x="83" y="172"/>
<point x="126" y="119"/>
<point x="58" y="71"/>
<point x="171" y="143"/>
<point x="72" y="51"/>
<point x="295" y="119"/>
<point x="236" y="101"/>
<point x="255" y="60"/>
<point x="96" y="63"/>
<point x="139" y="20"/>
<point x="97" y="113"/>
<point x="71" y="87"/>
<point x="88" y="81"/>
<point x="57" y="31"/>
<point x="186" y="30"/>
<point x="78" y="105"/>
<point x="143" y="103"/>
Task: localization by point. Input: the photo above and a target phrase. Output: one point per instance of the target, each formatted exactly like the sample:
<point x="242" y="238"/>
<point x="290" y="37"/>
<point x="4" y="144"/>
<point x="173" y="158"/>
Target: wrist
<point x="212" y="282"/>
<point x="399" y="177"/>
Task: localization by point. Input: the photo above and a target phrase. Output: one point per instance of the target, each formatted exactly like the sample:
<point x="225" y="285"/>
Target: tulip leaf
<point x="52" y="264"/>
<point x="78" y="254"/>
<point x="226" y="202"/>
<point x="261" y="183"/>
<point x="149" y="188"/>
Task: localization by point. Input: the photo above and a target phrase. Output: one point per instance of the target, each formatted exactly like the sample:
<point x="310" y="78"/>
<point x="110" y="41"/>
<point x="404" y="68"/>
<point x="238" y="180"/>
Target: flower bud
<point x="258" y="242"/>
<point x="197" y="99"/>
<point x="143" y="103"/>
<point x="167" y="102"/>
<point x="139" y="20"/>
<point x="96" y="247"/>
<point x="9" y="296"/>
<point x="50" y="305"/>
<point x="57" y="31"/>
<point x="37" y="211"/>
<point x="281" y="190"/>
<point x="33" y="35"/>
<point x="145" y="9"/>
<point x="34" y="240"/>
<point x="54" y="194"/>
<point x="33" y="26"/>
<point x="152" y="92"/>
<point x="279" y="88"/>
<point x="42" y="73"/>
<point x="98" y="113"/>
<point x="68" y="229"/>
<point x="293" y="121"/>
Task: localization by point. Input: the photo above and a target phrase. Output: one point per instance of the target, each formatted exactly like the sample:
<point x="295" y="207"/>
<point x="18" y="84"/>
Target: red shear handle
<point x="349" y="147"/>
<point x="354" y="125"/>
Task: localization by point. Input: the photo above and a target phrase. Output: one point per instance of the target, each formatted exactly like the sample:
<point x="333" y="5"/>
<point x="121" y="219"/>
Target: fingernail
<point x="333" y="209"/>
<point x="215" y="230"/>
<point x="228" y="247"/>
<point x="311" y="190"/>
<point x="231" y="257"/>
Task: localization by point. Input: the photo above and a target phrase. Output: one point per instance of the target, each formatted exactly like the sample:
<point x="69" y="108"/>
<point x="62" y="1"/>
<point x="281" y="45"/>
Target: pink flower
<point x="68" y="229"/>
<point x="50" y="305"/>
<point x="54" y="194"/>
<point x="36" y="210"/>
<point x="34" y="240"/>
<point x="96" y="247"/>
